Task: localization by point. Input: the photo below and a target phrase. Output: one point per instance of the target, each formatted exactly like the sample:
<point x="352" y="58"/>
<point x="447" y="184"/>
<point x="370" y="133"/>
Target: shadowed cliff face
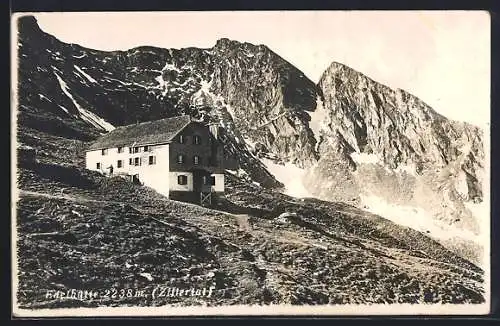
<point x="268" y="98"/>
<point x="354" y="136"/>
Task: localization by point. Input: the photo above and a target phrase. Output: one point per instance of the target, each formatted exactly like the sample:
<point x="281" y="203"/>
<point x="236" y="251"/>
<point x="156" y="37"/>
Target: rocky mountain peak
<point x="335" y="66"/>
<point x="28" y="23"/>
<point x="226" y="43"/>
<point x="248" y="53"/>
<point x="388" y="143"/>
<point x="28" y="29"/>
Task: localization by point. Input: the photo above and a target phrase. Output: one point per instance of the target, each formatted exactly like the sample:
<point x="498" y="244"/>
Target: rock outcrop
<point x="374" y="140"/>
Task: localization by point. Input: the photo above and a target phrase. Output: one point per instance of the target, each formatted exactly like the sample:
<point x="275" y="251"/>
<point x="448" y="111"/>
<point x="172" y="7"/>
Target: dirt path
<point x="78" y="198"/>
<point x="242" y="220"/>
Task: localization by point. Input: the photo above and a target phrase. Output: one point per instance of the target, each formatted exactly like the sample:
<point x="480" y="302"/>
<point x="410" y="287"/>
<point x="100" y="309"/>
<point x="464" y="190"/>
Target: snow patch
<point x="64" y="109"/>
<point x="416" y="218"/>
<point x="250" y="144"/>
<point x="481" y="213"/>
<point x="169" y="66"/>
<point x="240" y="173"/>
<point x="230" y="110"/>
<point x="461" y="185"/>
<point x="160" y="80"/>
<point x="204" y="92"/>
<point x="290" y="176"/>
<point x="55" y="68"/>
<point x="86" y="115"/>
<point x="205" y="85"/>
<point x="163" y="86"/>
<point x="200" y="96"/>
<point x="408" y="169"/>
<point x="121" y="82"/>
<point x="44" y="97"/>
<point x="126" y="84"/>
<point x="79" y="56"/>
<point x="84" y="74"/>
<point x="183" y="84"/>
<point x="364" y="158"/>
<point x="318" y="118"/>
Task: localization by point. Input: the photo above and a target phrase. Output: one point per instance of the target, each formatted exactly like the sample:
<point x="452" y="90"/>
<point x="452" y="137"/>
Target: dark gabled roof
<point x="144" y="133"/>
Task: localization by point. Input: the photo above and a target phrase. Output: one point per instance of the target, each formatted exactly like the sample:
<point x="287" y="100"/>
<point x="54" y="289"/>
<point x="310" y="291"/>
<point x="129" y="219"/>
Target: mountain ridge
<point x="346" y="131"/>
<point x="241" y="42"/>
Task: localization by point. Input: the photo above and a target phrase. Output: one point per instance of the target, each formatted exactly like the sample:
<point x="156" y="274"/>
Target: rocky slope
<point x="388" y="144"/>
<point x="398" y="129"/>
<point x="359" y="141"/>
<point x="257" y="247"/>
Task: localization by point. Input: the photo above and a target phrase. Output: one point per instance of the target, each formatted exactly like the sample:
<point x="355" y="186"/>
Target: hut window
<point x="209" y="180"/>
<point x="182" y="179"/>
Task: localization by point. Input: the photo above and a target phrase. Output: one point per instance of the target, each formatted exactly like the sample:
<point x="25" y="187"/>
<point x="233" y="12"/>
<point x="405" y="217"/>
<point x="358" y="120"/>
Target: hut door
<point x="197" y="180"/>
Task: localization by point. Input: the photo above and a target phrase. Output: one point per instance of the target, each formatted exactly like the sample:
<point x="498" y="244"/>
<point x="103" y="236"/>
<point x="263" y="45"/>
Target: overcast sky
<point x="441" y="57"/>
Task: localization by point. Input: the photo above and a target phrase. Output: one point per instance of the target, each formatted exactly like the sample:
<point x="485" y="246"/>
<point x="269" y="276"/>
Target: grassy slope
<point x="78" y="229"/>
